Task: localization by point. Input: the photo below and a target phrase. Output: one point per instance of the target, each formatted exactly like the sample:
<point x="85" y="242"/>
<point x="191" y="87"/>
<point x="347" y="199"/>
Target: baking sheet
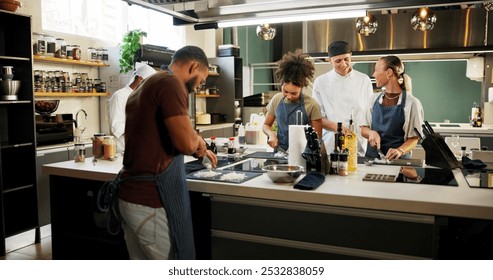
<point x="217" y="178"/>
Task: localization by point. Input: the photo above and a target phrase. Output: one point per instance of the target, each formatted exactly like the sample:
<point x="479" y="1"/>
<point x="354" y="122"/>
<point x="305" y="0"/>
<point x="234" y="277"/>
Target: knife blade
<point x="380" y="153"/>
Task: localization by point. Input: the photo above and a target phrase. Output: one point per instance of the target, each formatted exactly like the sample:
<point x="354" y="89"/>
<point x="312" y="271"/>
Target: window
<point x="109" y="20"/>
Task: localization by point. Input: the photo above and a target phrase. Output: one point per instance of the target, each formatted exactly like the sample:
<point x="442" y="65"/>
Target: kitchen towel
<point x="472" y="163"/>
<point x="310" y="182"/>
<point x="297" y="144"/>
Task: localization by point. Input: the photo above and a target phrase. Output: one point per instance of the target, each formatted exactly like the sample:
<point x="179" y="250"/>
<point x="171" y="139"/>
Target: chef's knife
<point x="430" y="129"/>
<point x="380" y="153"/>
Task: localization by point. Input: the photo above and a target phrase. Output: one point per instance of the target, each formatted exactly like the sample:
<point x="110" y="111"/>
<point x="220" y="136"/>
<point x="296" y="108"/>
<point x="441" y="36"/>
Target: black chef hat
<point x="338" y="48"/>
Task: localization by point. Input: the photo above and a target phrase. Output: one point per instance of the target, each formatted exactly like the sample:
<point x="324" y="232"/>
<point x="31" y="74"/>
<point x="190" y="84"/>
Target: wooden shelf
<point x="213" y="74"/>
<point x="70" y="94"/>
<point x="41" y="58"/>
<point x="207" y="95"/>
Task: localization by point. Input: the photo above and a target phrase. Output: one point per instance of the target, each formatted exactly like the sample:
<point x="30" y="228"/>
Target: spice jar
<point x="70" y="51"/>
<point x="343" y="164"/>
<point x="79" y="152"/>
<point x="61" y="48"/>
<point x="104" y="57"/>
<point x="91" y="54"/>
<point x="39" y="44"/>
<point x="50" y="45"/>
<point x="97" y="145"/>
<point x="76" y="53"/>
<point x="109" y="147"/>
<point x="334" y="163"/>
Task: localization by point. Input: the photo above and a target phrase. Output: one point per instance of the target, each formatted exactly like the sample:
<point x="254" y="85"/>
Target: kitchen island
<point x="345" y="217"/>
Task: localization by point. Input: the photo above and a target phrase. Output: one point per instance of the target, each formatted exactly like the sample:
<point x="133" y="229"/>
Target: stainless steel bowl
<point x="10" y="88"/>
<point x="283" y="173"/>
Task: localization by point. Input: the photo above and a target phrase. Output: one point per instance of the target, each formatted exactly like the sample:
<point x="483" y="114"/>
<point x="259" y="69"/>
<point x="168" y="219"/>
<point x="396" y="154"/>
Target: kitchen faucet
<point x="78" y="131"/>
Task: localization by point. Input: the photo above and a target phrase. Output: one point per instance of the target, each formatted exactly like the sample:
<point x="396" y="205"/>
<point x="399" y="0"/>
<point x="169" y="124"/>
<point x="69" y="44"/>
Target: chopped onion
<point x="233" y="176"/>
<point x="206" y="174"/>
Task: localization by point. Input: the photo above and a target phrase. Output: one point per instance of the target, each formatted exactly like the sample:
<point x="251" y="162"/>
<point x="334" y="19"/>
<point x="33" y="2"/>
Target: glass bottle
<point x="351" y="145"/>
<point x="339" y="139"/>
<point x="231" y="145"/>
<point x="213" y="144"/>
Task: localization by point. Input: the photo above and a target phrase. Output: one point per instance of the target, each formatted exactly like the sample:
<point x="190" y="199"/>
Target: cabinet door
<point x="44" y="182"/>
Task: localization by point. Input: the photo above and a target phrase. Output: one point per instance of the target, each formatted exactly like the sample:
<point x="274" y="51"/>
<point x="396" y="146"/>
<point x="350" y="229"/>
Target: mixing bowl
<point x="10" y="88"/>
<point x="283" y="173"/>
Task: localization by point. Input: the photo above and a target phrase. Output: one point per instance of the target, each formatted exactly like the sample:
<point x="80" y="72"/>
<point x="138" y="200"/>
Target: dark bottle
<point x="334" y="164"/>
<point x="339" y="139"/>
<point x="213" y="145"/>
<point x="231" y="145"/>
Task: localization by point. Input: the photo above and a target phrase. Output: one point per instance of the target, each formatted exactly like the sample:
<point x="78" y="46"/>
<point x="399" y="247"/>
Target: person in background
<point x="391" y="116"/>
<point x="153" y="195"/>
<point x="342" y="93"/>
<point x="294" y="72"/>
<point x="117" y="102"/>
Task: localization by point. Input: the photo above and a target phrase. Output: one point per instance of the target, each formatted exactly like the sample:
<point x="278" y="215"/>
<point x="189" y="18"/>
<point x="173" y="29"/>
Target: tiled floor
<point x="21" y="247"/>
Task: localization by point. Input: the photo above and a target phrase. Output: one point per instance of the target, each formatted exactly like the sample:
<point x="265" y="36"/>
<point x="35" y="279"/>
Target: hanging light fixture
<point x="423" y="19"/>
<point x="266" y="31"/>
<point x="367" y="25"/>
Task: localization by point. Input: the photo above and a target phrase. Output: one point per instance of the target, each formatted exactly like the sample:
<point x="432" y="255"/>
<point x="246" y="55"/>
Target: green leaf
<point x="128" y="49"/>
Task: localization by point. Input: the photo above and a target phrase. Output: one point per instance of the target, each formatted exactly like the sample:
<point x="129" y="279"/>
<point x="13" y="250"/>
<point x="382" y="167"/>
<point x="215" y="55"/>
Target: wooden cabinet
<point x="18" y="189"/>
<point x="43" y="180"/>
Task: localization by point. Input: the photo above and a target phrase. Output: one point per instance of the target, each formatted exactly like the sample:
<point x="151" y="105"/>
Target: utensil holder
<point x="438" y="154"/>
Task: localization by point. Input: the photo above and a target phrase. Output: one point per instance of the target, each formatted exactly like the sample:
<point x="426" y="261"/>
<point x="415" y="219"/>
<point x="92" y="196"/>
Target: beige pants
<point x="146" y="231"/>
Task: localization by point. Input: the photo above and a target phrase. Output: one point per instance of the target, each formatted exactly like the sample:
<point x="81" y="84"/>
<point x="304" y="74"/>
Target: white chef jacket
<point x="116" y="113"/>
<point x="339" y="97"/>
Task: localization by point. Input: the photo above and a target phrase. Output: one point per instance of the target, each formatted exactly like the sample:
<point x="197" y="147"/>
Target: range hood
<point x="154" y="55"/>
<point x="458" y="34"/>
<point x="210" y="12"/>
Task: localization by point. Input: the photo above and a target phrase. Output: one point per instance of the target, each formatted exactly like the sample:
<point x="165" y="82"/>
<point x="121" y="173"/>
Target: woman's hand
<point x="394" y="154"/>
<point x="374" y="139"/>
<point x="272" y="141"/>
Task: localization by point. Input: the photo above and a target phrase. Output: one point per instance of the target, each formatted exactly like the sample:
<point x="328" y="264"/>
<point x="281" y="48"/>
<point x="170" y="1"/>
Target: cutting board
<point x="265" y="155"/>
<point x="219" y="176"/>
<point x="399" y="162"/>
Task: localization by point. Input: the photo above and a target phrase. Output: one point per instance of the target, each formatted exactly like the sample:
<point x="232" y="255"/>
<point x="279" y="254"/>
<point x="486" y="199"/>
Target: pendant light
<point x="266" y="31"/>
<point x="367" y="25"/>
<point x="423" y="19"/>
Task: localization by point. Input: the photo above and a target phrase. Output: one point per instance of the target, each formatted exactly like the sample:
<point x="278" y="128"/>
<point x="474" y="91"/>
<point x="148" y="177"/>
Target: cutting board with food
<point x="226" y="176"/>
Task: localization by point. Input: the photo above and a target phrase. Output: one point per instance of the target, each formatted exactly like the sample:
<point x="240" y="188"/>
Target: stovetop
<point x="430" y="176"/>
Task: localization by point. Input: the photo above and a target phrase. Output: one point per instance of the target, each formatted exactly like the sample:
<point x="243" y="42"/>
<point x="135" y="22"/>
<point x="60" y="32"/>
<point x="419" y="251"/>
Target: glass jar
<point x="343" y="164"/>
<point x="77" y="78"/>
<point x="83" y="76"/>
<point x="38" y="76"/>
<point x="109" y="147"/>
<point x="39" y="44"/>
<point x="102" y="87"/>
<point x="99" y="55"/>
<point x="61" y="48"/>
<point x="50" y="45"/>
<point x="70" y="51"/>
<point x="79" y="152"/>
<point x="105" y="57"/>
<point x="91" y="54"/>
<point x="97" y="145"/>
<point x="76" y="52"/>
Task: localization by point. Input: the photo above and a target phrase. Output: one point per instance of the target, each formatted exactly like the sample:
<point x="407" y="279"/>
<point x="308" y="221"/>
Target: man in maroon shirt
<point x="153" y="193"/>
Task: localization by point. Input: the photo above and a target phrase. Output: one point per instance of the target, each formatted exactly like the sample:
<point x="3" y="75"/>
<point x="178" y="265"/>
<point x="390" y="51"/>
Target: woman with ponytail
<point x="392" y="115"/>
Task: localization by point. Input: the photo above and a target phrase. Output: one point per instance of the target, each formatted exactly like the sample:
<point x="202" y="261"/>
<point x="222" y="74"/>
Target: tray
<point x="217" y="178"/>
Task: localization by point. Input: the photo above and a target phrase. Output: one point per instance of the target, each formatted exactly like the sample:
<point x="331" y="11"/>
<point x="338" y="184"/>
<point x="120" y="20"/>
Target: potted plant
<point x="128" y="49"/>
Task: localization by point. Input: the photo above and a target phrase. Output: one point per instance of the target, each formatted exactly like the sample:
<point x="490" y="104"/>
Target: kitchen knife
<point x="430" y="129"/>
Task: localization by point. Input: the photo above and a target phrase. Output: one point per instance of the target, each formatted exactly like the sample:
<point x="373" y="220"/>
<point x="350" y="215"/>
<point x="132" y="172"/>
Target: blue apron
<point x="173" y="191"/>
<point x="286" y="115"/>
<point x="388" y="122"/>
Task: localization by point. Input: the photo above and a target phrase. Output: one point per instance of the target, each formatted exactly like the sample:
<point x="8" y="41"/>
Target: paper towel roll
<point x="297" y="144"/>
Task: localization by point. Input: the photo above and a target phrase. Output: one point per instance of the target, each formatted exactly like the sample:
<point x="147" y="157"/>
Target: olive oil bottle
<point x="351" y="145"/>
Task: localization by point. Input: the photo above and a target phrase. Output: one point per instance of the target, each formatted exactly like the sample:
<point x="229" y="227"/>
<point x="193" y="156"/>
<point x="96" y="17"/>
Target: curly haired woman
<point x="295" y="71"/>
